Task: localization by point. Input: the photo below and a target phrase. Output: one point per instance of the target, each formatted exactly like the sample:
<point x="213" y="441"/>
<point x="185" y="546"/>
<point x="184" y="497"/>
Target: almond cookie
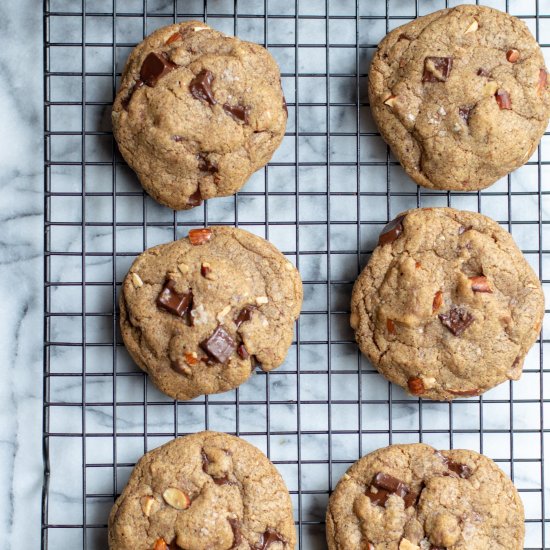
<point x="460" y="96"/>
<point x="197" y="113"/>
<point x="412" y="497"/>
<point x="447" y="306"/>
<point x="198" y="314"/>
<point x="207" y="490"/>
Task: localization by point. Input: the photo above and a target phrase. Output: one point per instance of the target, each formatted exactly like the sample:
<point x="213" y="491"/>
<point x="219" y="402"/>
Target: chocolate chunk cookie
<point x="460" y="96"/>
<point x="447" y="306"/>
<point x="197" y="113"/>
<point x="412" y="497"/>
<point x="207" y="490"/>
<point x="199" y="313"/>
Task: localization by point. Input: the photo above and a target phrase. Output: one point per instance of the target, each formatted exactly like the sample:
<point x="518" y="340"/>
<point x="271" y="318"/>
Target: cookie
<point x="447" y="306"/>
<point x="460" y="96"/>
<point x="200" y="313"/>
<point x="197" y="113"/>
<point x="206" y="490"/>
<point x="412" y="497"/>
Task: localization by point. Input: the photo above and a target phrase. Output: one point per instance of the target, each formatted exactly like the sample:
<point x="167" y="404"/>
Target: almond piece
<point x="174" y="38"/>
<point x="429" y="382"/>
<point x="437" y="301"/>
<point x="390" y="325"/>
<point x="391" y="101"/>
<point x="200" y="236"/>
<point x="260" y="300"/>
<point x="223" y="313"/>
<point x="480" y="284"/>
<point x="512" y="55"/>
<point x="416" y="386"/>
<point x="503" y="99"/>
<point x="191" y="358"/>
<point x="465" y="393"/>
<point x="417" y="265"/>
<point x="542" y="81"/>
<point x="184" y="268"/>
<point x="176" y="498"/>
<point x="354" y="320"/>
<point x="136" y="279"/>
<point x="205" y="269"/>
<point x="160" y="545"/>
<point x="474" y="25"/>
<point x="147" y="504"/>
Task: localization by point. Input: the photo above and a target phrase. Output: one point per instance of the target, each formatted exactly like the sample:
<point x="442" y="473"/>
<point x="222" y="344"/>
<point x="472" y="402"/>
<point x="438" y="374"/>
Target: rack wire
<point x="322" y="200"/>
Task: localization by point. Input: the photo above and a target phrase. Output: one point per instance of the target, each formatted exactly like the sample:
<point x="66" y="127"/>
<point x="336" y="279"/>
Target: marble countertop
<point x="302" y="223"/>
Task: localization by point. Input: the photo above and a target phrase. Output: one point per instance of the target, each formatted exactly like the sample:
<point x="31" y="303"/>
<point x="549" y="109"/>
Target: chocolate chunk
<point x="391" y="231"/>
<point x="388" y="485"/>
<point x="195" y="199"/>
<point x="268" y="538"/>
<point x="284" y="106"/>
<point x="242" y="351"/>
<point x="483" y="72"/>
<point x="177" y="138"/>
<point x="174" y="302"/>
<point x="220" y="345"/>
<point x="201" y="87"/>
<point x="437" y="69"/>
<point x="462" y="470"/>
<point x="503" y="99"/>
<point x="244" y="315"/>
<point x="464" y="113"/>
<point x="237" y="533"/>
<point x="238" y="112"/>
<point x="206" y="165"/>
<point x="457" y="320"/>
<point x="223" y="480"/>
<point x="136" y="86"/>
<point x="155" y="67"/>
<point x="463" y="228"/>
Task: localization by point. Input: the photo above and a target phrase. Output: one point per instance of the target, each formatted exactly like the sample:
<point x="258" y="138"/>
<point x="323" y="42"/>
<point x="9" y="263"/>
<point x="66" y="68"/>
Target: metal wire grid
<point x="322" y="200"/>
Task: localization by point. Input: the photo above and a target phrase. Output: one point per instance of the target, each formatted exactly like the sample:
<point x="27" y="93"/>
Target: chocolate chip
<point x="238" y="112"/>
<point x="237" y="533"/>
<point x="206" y="165"/>
<point x="268" y="538"/>
<point x="437" y="69"/>
<point x="219" y="345"/>
<point x="155" y="67"/>
<point x="391" y="231"/>
<point x="136" y="86"/>
<point x="195" y="199"/>
<point x="242" y="351"/>
<point x="174" y="302"/>
<point x="244" y="315"/>
<point x="388" y="485"/>
<point x="457" y="320"/>
<point x="483" y="72"/>
<point x="201" y="87"/>
<point x="464" y="113"/>
<point x="503" y="99"/>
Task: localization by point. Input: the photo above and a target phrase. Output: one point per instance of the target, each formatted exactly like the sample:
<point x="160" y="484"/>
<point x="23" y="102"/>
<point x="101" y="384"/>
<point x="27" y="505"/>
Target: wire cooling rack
<point x="322" y="200"/>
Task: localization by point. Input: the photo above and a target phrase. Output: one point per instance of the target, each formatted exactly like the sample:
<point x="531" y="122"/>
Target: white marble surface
<point x="314" y="374"/>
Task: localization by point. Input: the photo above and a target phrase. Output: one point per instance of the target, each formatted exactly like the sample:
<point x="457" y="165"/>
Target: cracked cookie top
<point x="197" y="113"/>
<point x="206" y="491"/>
<point x="447" y="306"/>
<point x="460" y="96"/>
<point x="412" y="497"/>
<point x="200" y="313"/>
